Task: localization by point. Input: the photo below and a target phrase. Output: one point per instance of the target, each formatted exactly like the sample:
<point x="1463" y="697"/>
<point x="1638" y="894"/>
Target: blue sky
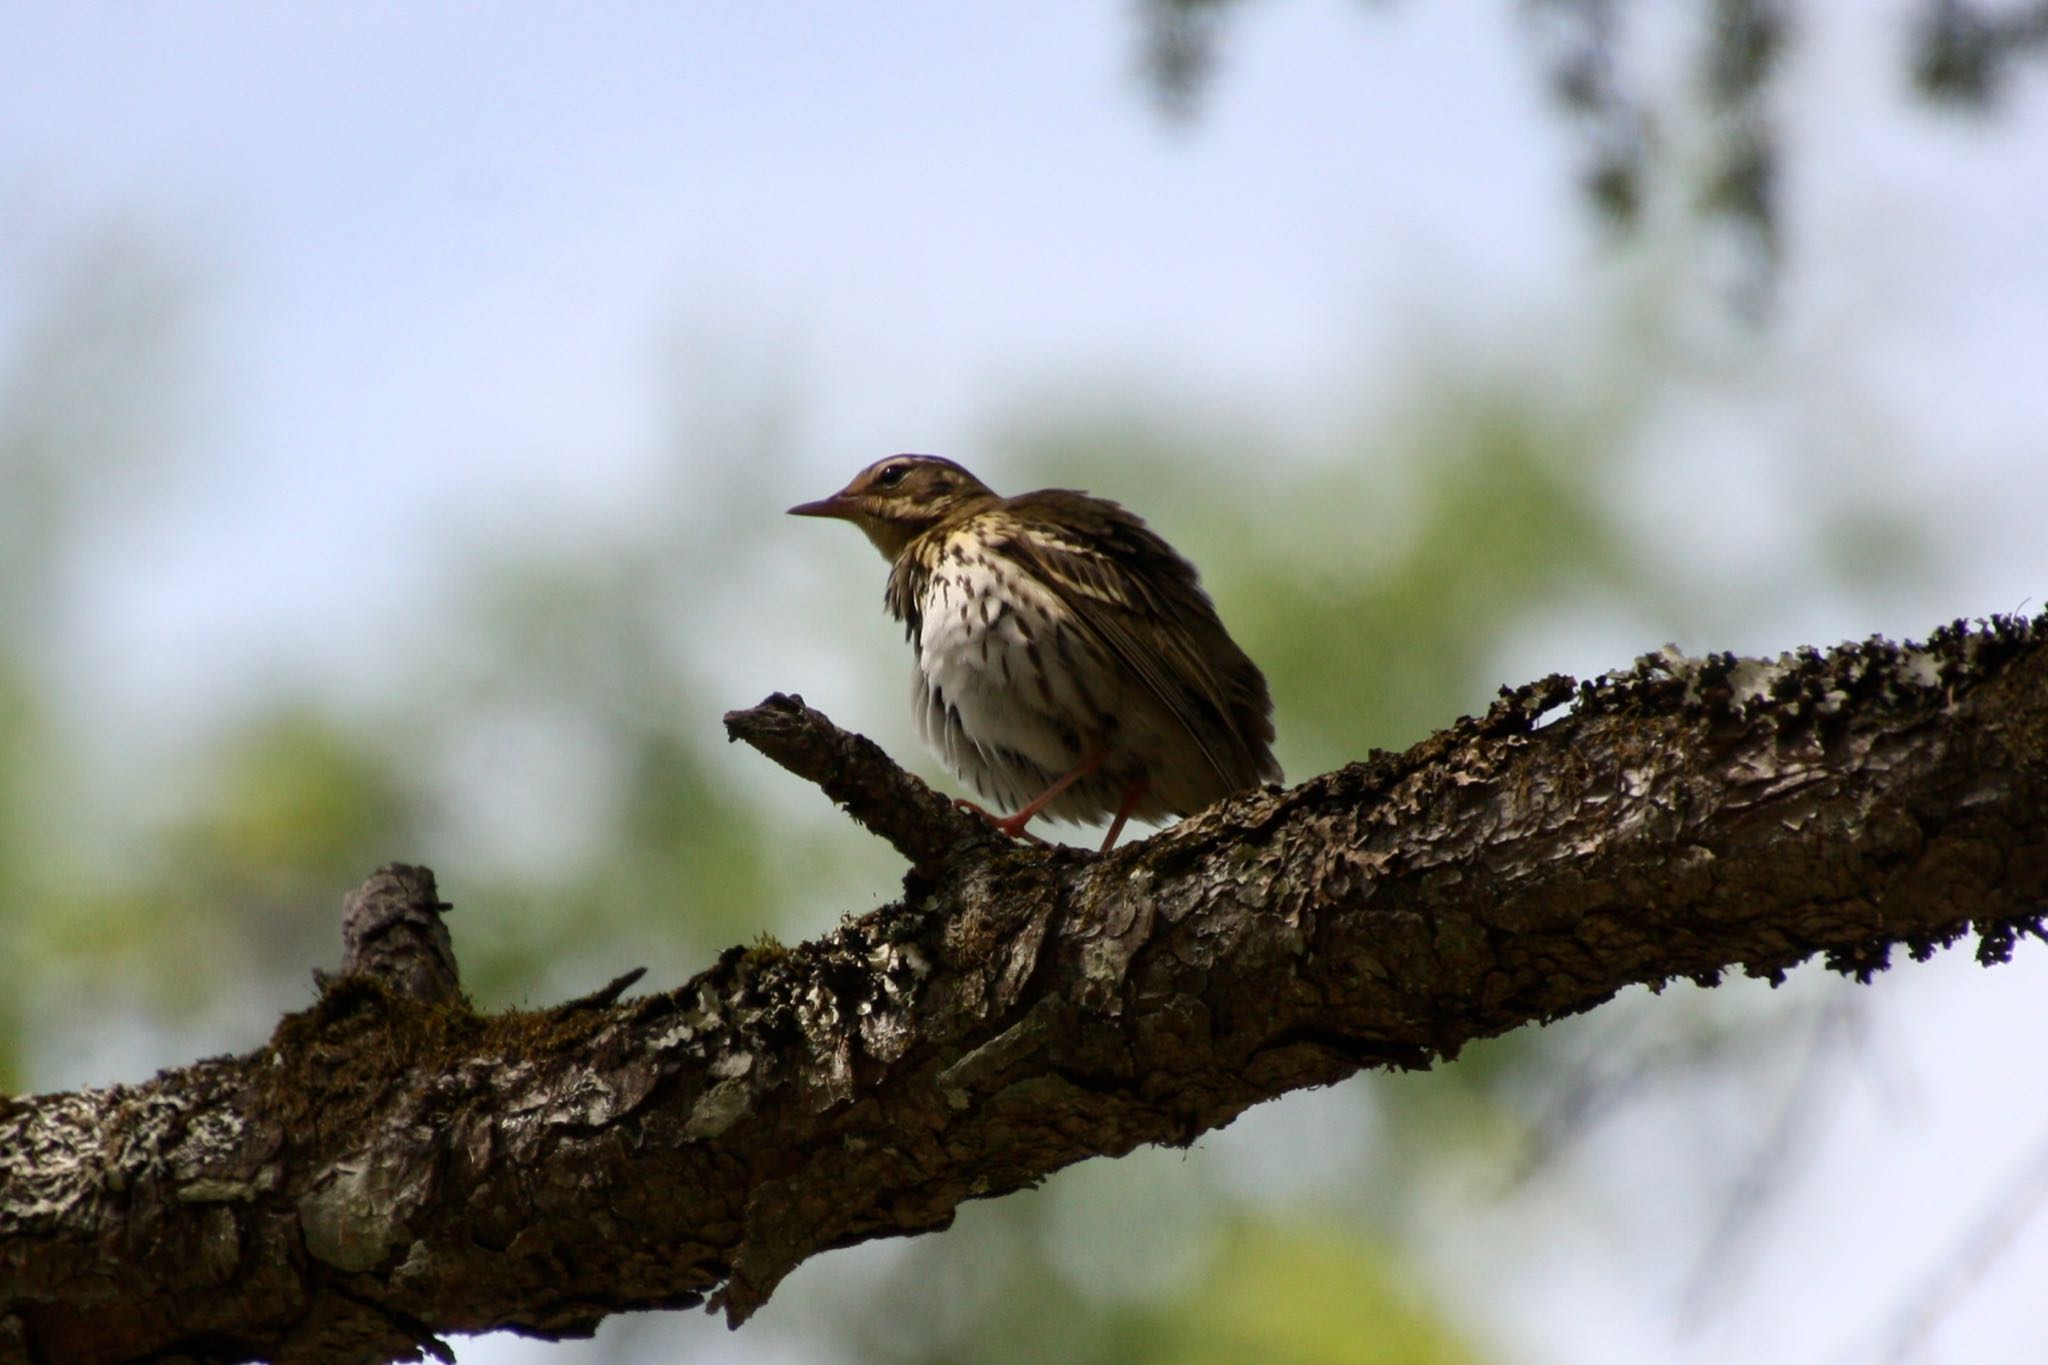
<point x="446" y="251"/>
<point x="445" y="255"/>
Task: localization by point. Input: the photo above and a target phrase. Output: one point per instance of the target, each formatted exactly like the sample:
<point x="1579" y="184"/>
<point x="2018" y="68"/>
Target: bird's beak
<point x="838" y="505"/>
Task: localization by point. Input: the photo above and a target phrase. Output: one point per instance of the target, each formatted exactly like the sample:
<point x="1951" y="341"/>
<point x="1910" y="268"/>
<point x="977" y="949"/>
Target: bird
<point x="1068" y="663"/>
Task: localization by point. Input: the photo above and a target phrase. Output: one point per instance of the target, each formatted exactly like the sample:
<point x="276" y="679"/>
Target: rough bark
<point x="393" y="1166"/>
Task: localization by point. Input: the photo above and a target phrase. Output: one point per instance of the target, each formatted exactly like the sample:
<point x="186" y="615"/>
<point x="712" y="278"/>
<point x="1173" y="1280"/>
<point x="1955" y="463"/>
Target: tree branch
<point x="392" y="1165"/>
<point x="923" y="826"/>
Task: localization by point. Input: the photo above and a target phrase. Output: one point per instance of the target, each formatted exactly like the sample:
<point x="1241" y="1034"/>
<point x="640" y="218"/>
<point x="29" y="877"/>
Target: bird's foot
<point x="1010" y="825"/>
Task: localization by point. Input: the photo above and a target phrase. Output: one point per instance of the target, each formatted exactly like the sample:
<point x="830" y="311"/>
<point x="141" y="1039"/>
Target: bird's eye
<point x="891" y="475"/>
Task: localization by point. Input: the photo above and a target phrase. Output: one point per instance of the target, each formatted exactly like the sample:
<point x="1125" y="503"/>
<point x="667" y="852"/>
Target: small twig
<point x="852" y="769"/>
<point x="1770" y="1164"/>
<point x="601" y="997"/>
<point x="1987" y="1238"/>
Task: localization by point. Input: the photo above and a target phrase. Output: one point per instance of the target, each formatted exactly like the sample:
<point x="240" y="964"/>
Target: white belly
<point x="994" y="694"/>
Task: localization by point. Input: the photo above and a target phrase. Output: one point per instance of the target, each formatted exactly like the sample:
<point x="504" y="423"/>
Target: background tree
<point x="531" y="704"/>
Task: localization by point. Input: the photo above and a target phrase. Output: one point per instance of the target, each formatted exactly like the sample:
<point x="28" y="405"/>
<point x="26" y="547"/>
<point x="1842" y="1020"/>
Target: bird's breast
<point x="997" y="666"/>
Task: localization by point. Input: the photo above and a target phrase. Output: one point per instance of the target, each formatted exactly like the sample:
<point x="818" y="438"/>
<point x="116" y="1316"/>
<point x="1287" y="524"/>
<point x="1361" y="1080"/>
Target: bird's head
<point x="898" y="499"/>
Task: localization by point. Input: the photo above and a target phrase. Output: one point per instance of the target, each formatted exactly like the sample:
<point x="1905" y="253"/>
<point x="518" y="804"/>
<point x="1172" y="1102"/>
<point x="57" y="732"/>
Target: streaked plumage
<point x="1059" y="639"/>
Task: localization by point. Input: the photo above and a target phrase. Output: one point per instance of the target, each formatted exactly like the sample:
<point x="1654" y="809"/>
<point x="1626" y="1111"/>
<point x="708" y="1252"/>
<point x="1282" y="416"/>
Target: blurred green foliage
<point x="1305" y="1293"/>
<point x="1290" y="1292"/>
<point x="554" y="751"/>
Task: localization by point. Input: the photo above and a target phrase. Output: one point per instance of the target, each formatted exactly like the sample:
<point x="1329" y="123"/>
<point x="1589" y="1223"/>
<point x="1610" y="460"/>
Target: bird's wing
<point x="1140" y="600"/>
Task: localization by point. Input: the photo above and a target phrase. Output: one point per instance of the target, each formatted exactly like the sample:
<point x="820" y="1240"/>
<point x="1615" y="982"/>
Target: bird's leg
<point x="976" y="808"/>
<point x="1133" y="794"/>
<point x="1013" y="825"/>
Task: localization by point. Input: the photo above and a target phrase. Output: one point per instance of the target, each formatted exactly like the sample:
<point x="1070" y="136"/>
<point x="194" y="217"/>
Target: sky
<point x="448" y="255"/>
<point x="445" y="278"/>
<point x="444" y="259"/>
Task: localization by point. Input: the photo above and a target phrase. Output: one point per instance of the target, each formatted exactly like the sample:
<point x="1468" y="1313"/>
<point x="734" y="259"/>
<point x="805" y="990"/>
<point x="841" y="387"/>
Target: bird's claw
<point x="1013" y="825"/>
